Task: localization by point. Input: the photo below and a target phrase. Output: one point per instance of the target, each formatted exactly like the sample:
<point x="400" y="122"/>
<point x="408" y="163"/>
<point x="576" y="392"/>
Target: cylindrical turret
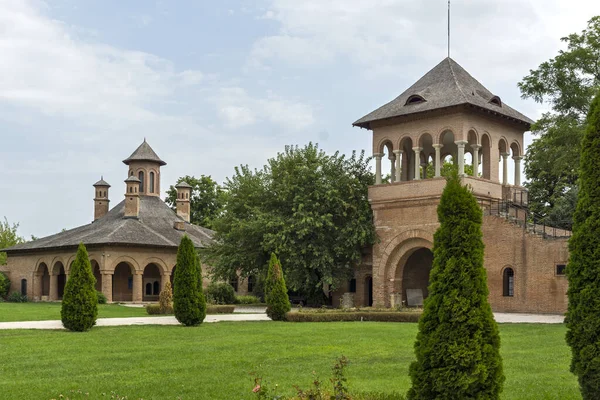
<point x="132" y="197"/>
<point x="101" y="200"/>
<point x="184" y="192"/>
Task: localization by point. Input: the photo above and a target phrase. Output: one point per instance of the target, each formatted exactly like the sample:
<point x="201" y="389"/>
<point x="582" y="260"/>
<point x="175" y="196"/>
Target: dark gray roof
<point x="183" y="184"/>
<point x="144" y="153"/>
<point x="132" y="178"/>
<point x="446" y="85"/>
<point x="102" y="182"/>
<point x="154" y="227"/>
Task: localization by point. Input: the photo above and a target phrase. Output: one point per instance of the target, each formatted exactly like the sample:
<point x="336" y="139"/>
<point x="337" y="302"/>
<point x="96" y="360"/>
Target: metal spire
<point x="448" y="28"/>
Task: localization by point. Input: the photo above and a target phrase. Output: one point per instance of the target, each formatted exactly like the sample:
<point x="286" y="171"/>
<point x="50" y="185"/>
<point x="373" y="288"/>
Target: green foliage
<point x="276" y="296"/>
<point x="448" y="168"/>
<point x="205" y="200"/>
<point x="8" y="238"/>
<point x="187" y="298"/>
<point x="165" y="300"/>
<point x="247" y="299"/>
<point x="220" y="293"/>
<point x="309" y="207"/>
<point x="458" y="344"/>
<point x="154" y="309"/>
<point x="200" y="291"/>
<point x="4" y="285"/>
<point x="583" y="269"/>
<point x="79" y="308"/>
<point x="17" y="297"/>
<point x="568" y="82"/>
<point x="101" y="297"/>
<point x="220" y="309"/>
<point x="338" y="316"/>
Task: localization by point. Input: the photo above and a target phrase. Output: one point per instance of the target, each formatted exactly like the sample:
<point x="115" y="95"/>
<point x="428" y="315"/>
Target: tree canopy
<point x="8" y="238"/>
<point x="308" y="207"/>
<point x="205" y="201"/>
<point x="567" y="82"/>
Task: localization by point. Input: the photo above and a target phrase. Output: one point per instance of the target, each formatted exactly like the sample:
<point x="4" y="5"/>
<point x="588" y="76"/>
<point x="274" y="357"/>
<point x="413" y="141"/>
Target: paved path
<point x="515" y="318"/>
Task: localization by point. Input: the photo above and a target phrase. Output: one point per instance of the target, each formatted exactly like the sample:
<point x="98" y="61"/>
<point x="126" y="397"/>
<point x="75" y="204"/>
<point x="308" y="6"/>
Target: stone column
<point x="505" y="168"/>
<point x="476" y="148"/>
<point x="438" y="161"/>
<point x="417" y="151"/>
<point x="399" y="155"/>
<point x="424" y="165"/>
<point x="137" y="287"/>
<point x="461" y="156"/>
<point x="107" y="278"/>
<point x="392" y="158"/>
<point x="378" y="168"/>
<point x="164" y="278"/>
<point x="53" y="287"/>
<point x="517" y="160"/>
<point x="38" y="286"/>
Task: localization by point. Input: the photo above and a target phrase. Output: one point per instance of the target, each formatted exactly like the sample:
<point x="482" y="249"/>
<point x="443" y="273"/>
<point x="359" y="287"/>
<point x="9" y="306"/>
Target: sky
<point x="212" y="85"/>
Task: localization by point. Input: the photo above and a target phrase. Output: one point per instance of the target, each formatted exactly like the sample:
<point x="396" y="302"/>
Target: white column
<point x="517" y="160"/>
<point x="392" y="158"/>
<point x="424" y="166"/>
<point x="378" y="168"/>
<point x="476" y="148"/>
<point x="417" y="151"/>
<point x="504" y="168"/>
<point x="399" y="156"/>
<point x="438" y="161"/>
<point x="461" y="156"/>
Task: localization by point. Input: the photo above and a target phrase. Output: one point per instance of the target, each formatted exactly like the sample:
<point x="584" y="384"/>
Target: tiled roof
<point x="144" y="153"/>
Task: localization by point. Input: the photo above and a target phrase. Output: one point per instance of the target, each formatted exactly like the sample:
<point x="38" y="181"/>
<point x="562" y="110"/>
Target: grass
<point x="51" y="311"/>
<point x="214" y="361"/>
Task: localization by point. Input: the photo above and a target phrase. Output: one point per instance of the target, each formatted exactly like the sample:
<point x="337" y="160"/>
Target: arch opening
<point x="151" y="280"/>
<point x="61" y="278"/>
<point x="415" y="276"/>
<point x="122" y="284"/>
<point x="44" y="279"/>
<point x="97" y="275"/>
<point x="368" y="288"/>
<point x="484" y="153"/>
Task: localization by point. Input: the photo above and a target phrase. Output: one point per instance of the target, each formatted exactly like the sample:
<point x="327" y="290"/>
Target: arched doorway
<point x="122" y="284"/>
<point x="97" y="275"/>
<point x="44" y="281"/>
<point x="415" y="276"/>
<point x="368" y="291"/>
<point x="151" y="280"/>
<point x="61" y="278"/>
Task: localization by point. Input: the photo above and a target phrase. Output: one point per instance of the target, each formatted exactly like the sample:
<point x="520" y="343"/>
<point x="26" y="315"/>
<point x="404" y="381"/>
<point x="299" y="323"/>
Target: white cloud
<point x="191" y="77"/>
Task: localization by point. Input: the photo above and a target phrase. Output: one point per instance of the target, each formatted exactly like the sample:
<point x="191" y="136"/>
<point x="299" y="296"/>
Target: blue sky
<point x="212" y="85"/>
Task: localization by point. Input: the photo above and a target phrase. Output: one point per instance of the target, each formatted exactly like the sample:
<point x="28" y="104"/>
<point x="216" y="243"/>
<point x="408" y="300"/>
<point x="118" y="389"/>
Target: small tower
<point x="184" y="191"/>
<point x="145" y="165"/>
<point x="132" y="197"/>
<point x="101" y="200"/>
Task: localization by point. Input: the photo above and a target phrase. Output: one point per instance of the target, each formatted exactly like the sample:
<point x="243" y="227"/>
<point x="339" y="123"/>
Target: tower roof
<point x="183" y="184"/>
<point x="144" y="153"/>
<point x="101" y="182"/>
<point x="133" y="178"/>
<point x="446" y="85"/>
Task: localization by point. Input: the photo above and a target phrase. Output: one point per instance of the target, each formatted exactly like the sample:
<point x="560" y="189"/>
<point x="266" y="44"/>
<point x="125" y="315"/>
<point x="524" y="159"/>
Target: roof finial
<point x="448" y="28"/>
<point x="144" y="139"/>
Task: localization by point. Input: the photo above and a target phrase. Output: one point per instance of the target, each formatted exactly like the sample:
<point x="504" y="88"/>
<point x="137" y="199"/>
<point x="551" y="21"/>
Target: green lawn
<point x="49" y="311"/>
<point x="214" y="361"/>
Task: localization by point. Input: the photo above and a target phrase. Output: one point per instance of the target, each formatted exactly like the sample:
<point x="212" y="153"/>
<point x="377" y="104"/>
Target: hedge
<point x="219" y="309"/>
<point x="389" y="316"/>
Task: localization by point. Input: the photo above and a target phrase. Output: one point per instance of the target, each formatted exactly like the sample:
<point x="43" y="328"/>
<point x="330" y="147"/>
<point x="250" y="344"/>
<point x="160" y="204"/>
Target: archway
<point x="122" y="284"/>
<point x="44" y="281"/>
<point x="368" y="291"/>
<point x="151" y="280"/>
<point x="97" y="275"/>
<point x="407" y="163"/>
<point x="485" y="157"/>
<point x="415" y="276"/>
<point x="61" y="278"/>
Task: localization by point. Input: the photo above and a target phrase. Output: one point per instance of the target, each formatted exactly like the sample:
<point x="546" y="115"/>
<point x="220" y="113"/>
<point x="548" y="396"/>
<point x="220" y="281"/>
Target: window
<point x="508" y="280"/>
<point x="414" y="99"/>
<point x="23" y="287"/>
<point x="130" y="283"/>
<point x="352" y="286"/>
<point x="496" y="101"/>
<point x="250" y="284"/>
<point x="156" y="288"/>
<point x="561" y="269"/>
<point x="148" y="289"/>
<point x="141" y="178"/>
<point x="151" y="182"/>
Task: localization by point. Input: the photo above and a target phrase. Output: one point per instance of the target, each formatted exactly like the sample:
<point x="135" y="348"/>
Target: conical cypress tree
<point x="79" y="308"/>
<point x="201" y="297"/>
<point x="185" y="295"/>
<point x="276" y="296"/>
<point x="458" y="345"/>
<point x="583" y="269"/>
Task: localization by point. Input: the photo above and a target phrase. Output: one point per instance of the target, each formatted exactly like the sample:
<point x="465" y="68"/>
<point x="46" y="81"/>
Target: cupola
<point x="184" y="192"/>
<point x="132" y="197"/>
<point x="101" y="200"/>
<point x="145" y="165"/>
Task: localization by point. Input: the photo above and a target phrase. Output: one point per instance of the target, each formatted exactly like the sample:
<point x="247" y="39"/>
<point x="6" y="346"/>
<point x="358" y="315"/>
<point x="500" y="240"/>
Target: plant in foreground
<point x="79" y="308"/>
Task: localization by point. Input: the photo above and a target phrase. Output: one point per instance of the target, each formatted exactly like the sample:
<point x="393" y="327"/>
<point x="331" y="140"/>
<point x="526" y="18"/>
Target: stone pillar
<point x="504" y="168"/>
<point x="38" y="286"/>
<point x="517" y="160"/>
<point x="392" y="158"/>
<point x="53" y="287"/>
<point x="417" y="151"/>
<point x="399" y="155"/>
<point x="476" y="148"/>
<point x="137" y="287"/>
<point x="424" y="166"/>
<point x="461" y="156"/>
<point x="107" y="278"/>
<point x="378" y="168"/>
<point x="438" y="161"/>
<point x="164" y="278"/>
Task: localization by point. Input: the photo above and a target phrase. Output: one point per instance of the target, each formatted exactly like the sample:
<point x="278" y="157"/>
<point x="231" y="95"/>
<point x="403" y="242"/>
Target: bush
<point x="278" y="302"/>
<point x="101" y="297"/>
<point x="220" y="293"/>
<point x="165" y="300"/>
<point x="17" y="297"/>
<point x="247" y="300"/>
<point x="458" y="345"/>
<point x="4" y="285"/>
<point x="382" y="316"/>
<point x="79" y="308"/>
<point x="220" y="309"/>
<point x="153" y="309"/>
<point x="187" y="297"/>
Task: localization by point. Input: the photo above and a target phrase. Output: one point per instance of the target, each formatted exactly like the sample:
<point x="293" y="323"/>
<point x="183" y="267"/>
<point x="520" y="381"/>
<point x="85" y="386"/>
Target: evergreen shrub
<point x="247" y="299"/>
<point x="276" y="296"/>
<point x="186" y="296"/>
<point x="4" y="285"/>
<point x="220" y="309"/>
<point x="101" y="297"/>
<point x="220" y="293"/>
<point x="153" y="309"/>
<point x="17" y="297"/>
<point x="79" y="308"/>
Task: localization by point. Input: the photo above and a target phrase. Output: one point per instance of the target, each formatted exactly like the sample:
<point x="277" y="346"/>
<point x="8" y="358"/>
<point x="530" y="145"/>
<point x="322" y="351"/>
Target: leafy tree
<point x="79" y="308"/>
<point x="568" y="83"/>
<point x="448" y="168"/>
<point x="583" y="269"/>
<point x="458" y="344"/>
<point x="186" y="296"/>
<point x="276" y="296"/>
<point x="8" y="238"/>
<point x="205" y="201"/>
<point x="308" y="207"/>
<point x="201" y="296"/>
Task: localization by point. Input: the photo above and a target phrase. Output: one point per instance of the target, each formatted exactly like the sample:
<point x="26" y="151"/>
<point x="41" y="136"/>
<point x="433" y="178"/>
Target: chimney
<point x="132" y="197"/>
<point x="184" y="190"/>
<point x="101" y="199"/>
